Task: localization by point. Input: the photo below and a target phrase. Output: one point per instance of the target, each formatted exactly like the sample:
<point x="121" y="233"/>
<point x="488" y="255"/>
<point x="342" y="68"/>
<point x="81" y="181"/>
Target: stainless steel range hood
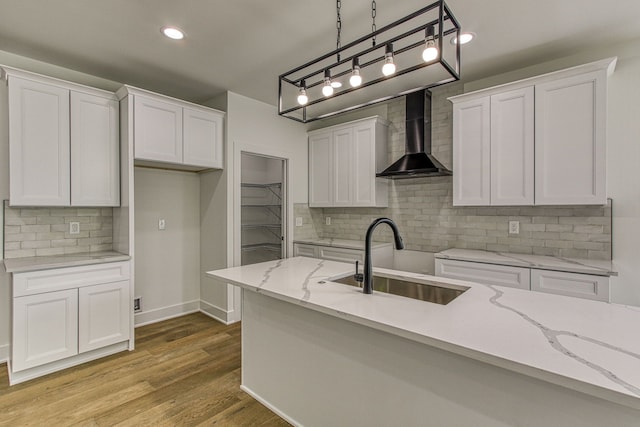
<point x="418" y="160"/>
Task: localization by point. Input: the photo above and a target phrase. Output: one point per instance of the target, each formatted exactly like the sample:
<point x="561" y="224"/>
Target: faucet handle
<point x="359" y="277"/>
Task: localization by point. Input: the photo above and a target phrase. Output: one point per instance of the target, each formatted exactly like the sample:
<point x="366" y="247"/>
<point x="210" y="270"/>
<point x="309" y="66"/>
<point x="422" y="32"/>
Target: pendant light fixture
<point x="430" y="51"/>
<point x="355" y="80"/>
<point x="404" y="56"/>
<point x="389" y="67"/>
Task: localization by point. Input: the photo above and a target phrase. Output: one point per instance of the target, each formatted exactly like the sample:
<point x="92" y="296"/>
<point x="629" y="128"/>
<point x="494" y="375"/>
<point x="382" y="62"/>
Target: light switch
<point x="161" y="224"/>
<point x="298" y="221"/>
<point x="327" y="220"/>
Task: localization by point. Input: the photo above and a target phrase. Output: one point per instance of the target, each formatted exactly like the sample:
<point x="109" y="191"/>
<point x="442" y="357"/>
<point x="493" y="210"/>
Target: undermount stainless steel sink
<point x="430" y="291"/>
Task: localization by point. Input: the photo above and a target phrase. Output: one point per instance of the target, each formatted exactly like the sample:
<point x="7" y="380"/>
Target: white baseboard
<point x="165" y="313"/>
<point x="269" y="405"/>
<point x="4" y="353"/>
<point x="217" y="313"/>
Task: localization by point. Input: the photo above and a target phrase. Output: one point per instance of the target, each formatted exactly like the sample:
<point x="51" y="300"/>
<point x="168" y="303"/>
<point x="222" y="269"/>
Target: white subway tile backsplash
<point x="45" y="231"/>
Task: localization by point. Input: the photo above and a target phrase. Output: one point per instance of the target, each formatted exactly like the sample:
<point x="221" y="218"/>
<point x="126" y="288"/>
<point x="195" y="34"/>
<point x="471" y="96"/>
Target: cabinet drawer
<point x="341" y="254"/>
<point x="571" y="284"/>
<point x="305" y="250"/>
<point x="488" y="274"/>
<point x="35" y="282"/>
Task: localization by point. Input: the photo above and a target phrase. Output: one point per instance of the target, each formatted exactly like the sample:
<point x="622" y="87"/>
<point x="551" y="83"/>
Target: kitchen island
<point x="322" y="353"/>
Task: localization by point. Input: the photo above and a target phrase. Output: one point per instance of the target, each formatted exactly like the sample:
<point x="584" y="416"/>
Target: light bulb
<point x="430" y="51"/>
<point x="303" y="98"/>
<point x="327" y="89"/>
<point x="355" y="80"/>
<point x="389" y="67"/>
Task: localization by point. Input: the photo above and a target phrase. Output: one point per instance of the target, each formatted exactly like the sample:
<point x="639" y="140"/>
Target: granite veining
<point x="21" y="265"/>
<point x="596" y="267"/>
<point x="585" y="345"/>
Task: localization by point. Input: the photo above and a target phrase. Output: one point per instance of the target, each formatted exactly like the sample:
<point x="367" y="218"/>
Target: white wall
<point x="251" y="126"/>
<point x="167" y="261"/>
<point x="623" y="154"/>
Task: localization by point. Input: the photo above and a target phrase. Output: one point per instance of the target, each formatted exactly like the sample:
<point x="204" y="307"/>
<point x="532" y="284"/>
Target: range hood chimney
<point x="418" y="161"/>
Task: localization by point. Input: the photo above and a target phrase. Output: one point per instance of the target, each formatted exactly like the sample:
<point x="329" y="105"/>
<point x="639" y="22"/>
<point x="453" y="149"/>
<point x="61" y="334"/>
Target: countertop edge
<point x="53" y="264"/>
<point x="579" y="268"/>
<point x="359" y="246"/>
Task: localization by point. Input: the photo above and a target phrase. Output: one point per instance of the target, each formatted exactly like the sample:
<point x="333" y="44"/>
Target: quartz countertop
<point x="342" y="243"/>
<point x="585" y="345"/>
<point x="21" y="265"/>
<point x="570" y="265"/>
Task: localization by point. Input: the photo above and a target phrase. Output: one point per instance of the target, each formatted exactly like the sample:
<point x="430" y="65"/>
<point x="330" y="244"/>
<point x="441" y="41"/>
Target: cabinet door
<point x="488" y="274"/>
<point x="364" y="161"/>
<point x="471" y="152"/>
<point x="103" y="316"/>
<point x="157" y="130"/>
<point x="95" y="158"/>
<point x="571" y="284"/>
<point x="202" y="143"/>
<point x="344" y="166"/>
<point x="512" y="147"/>
<point x="570" y="140"/>
<point x="45" y="328"/>
<point x="38" y="144"/>
<point x="305" y="250"/>
<point x="320" y="169"/>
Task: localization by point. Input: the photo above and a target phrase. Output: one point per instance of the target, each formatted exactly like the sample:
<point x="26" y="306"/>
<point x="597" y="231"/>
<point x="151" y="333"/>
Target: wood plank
<point x="184" y="371"/>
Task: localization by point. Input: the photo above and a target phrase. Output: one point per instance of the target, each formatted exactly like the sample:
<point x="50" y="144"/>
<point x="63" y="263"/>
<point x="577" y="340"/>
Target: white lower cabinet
<point x="488" y="274"/>
<point x="103" y="314"/>
<point x="572" y="284"/>
<point x="66" y="316"/>
<point x="381" y="256"/>
<point x="587" y="286"/>
<point x="45" y="328"/>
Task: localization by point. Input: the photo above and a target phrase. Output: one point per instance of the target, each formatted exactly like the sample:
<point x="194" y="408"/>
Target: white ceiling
<point x="243" y="45"/>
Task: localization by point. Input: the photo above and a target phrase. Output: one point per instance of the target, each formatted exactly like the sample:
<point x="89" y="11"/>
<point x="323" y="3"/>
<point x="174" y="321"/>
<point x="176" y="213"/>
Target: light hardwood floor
<point x="184" y="372"/>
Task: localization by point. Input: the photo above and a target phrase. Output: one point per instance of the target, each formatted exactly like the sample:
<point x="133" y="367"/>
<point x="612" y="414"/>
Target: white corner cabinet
<point x="63" y="142"/>
<point x="381" y="253"/>
<point x="343" y="162"/>
<point x="538" y="141"/>
<point x="172" y="133"/>
<point x="588" y="286"/>
<point x="67" y="316"/>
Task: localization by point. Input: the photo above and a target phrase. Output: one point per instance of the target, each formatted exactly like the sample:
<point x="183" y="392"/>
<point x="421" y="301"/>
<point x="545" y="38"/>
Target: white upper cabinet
<point x="95" y="143"/>
<point x="157" y="130"/>
<point x="63" y="143"/>
<point x="512" y="147"/>
<point x="472" y="152"/>
<point x="168" y="132"/>
<point x="39" y="144"/>
<point x="570" y="140"/>
<point x="202" y="143"/>
<point x="539" y="141"/>
<point x="343" y="161"/>
<point x="320" y="176"/>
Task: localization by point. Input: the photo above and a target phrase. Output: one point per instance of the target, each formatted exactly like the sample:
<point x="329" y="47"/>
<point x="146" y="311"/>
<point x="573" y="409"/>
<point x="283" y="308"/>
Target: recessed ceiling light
<point x="336" y="84"/>
<point x="464" y="38"/>
<point x="173" y="33"/>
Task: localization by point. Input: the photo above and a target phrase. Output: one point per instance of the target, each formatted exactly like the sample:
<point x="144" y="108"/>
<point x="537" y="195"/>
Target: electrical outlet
<point x="161" y="224"/>
<point x="74" y="228"/>
<point x="514" y="227"/>
<point x="327" y="220"/>
<point x="137" y="304"/>
<point x="298" y="221"/>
